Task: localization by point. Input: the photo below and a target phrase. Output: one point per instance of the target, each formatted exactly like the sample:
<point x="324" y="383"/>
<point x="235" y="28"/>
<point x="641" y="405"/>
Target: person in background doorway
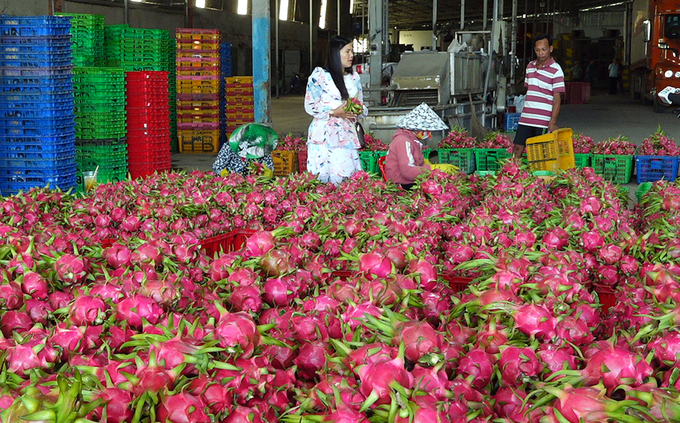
<point x="576" y="72"/>
<point x="545" y="83"/>
<point x="332" y="142"/>
<point x="613" y="76"/>
<point x="590" y="72"/>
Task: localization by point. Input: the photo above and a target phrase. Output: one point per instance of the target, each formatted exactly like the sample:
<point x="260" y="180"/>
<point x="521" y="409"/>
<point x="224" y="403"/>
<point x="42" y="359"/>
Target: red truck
<point x="655" y="52"/>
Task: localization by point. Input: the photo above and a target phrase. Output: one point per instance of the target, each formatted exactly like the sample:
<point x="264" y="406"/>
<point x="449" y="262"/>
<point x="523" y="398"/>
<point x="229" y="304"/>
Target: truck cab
<point x="660" y="33"/>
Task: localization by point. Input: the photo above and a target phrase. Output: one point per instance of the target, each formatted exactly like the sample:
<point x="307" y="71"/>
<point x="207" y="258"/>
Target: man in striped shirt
<point x="544" y="81"/>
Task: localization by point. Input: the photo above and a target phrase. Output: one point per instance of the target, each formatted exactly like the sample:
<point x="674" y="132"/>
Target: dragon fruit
<point x="380" y="378"/>
<point x="658" y="144"/>
<point x="71" y="269"/>
<point x="182" y="408"/>
<point x="237" y="333"/>
<point x="618" y="146"/>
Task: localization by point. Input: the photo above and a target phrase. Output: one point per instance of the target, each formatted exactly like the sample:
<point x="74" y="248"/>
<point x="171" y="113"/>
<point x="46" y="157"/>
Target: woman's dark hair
<point x="334" y="64"/>
<point x="543" y="37"/>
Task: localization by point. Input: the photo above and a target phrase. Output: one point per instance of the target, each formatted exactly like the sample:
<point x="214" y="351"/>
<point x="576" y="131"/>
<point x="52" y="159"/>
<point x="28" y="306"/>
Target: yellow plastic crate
<point x="552" y="151"/>
<point x="285" y="162"/>
<point x="198" y="141"/>
<point x="238" y="80"/>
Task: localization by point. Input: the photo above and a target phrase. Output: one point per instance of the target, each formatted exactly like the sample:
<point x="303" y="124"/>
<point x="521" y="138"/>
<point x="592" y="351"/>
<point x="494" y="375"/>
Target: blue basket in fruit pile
<point x="655" y="168"/>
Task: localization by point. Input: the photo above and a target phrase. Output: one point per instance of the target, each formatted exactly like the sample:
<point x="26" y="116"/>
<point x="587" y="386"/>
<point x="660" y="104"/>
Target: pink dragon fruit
<point x="237" y="333"/>
<point x="379" y="379"/>
<point x="117" y="405"/>
<point x="478" y="364"/>
<point x="71" y="268"/>
<point x="87" y="310"/>
<point x="517" y="364"/>
<point x="132" y="310"/>
<point x="182" y="408"/>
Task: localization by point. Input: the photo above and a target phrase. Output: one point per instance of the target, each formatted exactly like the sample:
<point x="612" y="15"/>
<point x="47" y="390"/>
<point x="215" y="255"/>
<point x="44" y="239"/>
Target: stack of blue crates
<point x="225" y="50"/>
<point x="37" y="127"/>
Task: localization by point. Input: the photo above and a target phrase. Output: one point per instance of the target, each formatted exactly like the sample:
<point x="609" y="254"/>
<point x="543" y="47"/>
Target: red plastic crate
<point x="302" y="160"/>
<point x="342" y="274"/>
<point x="457" y="283"/>
<point x="232" y="241"/>
<point x="606" y="295"/>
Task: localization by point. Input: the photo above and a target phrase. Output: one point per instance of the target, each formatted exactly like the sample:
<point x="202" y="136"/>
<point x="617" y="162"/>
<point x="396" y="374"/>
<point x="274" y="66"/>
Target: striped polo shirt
<point x="542" y="84"/>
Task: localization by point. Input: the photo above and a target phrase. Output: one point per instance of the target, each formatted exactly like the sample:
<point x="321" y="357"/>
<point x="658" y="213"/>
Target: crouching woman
<point x="405" y="160"/>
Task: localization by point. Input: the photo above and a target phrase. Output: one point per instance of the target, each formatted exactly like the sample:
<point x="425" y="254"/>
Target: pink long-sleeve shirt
<point x="405" y="160"/>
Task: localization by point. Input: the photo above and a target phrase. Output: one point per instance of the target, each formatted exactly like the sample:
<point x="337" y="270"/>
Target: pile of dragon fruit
<point x="343" y="303"/>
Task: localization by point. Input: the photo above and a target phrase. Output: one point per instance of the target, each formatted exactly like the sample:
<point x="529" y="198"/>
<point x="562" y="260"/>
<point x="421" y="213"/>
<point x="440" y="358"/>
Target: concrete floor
<point x="605" y="116"/>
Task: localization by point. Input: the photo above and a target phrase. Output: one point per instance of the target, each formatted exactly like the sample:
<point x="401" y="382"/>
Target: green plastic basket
<point x="618" y="169"/>
<point x="487" y="159"/>
<point x="464" y="158"/>
<point x="642" y="189"/>
<point x="369" y="161"/>
<point x="582" y="160"/>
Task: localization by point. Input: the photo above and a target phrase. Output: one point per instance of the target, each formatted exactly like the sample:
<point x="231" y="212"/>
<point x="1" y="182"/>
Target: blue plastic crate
<point x="45" y="113"/>
<point x="39" y="131"/>
<point x="14" y="60"/>
<point x="57" y="40"/>
<point x="36" y="100"/>
<point x="21" y="72"/>
<point x="34" y="26"/>
<point x="48" y="83"/>
<point x="25" y="122"/>
<point x="12" y="185"/>
<point x="40" y="48"/>
<point x="64" y="150"/>
<point x="38" y="167"/>
<point x="511" y="121"/>
<point x="38" y="143"/>
<point x="35" y="89"/>
<point x="655" y="168"/>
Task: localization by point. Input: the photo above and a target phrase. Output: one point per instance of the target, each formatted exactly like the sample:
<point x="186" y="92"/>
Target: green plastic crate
<point x="369" y="161"/>
<point x="103" y="176"/>
<point x="614" y="168"/>
<point x="642" y="189"/>
<point x="487" y="159"/>
<point x="582" y="160"/>
<point x="464" y="158"/>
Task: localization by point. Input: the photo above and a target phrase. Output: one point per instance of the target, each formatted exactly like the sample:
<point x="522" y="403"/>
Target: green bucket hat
<point x="253" y="140"/>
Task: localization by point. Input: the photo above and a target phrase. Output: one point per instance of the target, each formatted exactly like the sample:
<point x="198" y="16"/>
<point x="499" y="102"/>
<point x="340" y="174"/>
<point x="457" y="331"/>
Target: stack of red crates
<point x="240" y="101"/>
<point x="198" y="89"/>
<point x="148" y="123"/>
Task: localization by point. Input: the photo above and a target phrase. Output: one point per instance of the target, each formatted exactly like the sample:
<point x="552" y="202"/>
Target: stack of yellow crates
<point x="198" y="90"/>
<point x="240" y="102"/>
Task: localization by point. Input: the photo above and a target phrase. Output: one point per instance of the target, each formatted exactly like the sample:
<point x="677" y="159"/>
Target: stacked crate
<point x="227" y="68"/>
<point x="113" y="44"/>
<point x="240" y="102"/>
<point x="144" y="49"/>
<point x="172" y="89"/>
<point x="198" y="90"/>
<point x="100" y="122"/>
<point x="36" y="104"/>
<point x="87" y="35"/>
<point x="148" y="123"/>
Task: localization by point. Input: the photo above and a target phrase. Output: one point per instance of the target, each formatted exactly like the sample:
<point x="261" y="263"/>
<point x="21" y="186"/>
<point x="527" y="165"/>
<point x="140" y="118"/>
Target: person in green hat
<point x="250" y="143"/>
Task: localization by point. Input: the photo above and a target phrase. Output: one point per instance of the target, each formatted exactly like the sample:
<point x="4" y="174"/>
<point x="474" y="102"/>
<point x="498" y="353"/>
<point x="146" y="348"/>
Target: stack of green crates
<point x="144" y="49"/>
<point x="113" y="44"/>
<point x="87" y="37"/>
<point x="101" y="122"/>
<point x="107" y="157"/>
